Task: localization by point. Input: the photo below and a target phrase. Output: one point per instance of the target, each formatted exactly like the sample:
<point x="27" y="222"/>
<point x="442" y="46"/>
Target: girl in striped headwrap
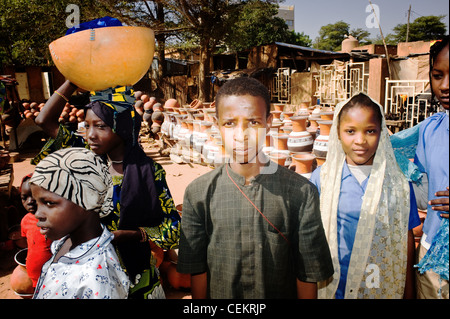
<point x="71" y="189"/>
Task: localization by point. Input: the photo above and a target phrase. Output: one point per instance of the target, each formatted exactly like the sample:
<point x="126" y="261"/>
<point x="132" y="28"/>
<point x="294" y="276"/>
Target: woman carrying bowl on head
<point x="144" y="212"/>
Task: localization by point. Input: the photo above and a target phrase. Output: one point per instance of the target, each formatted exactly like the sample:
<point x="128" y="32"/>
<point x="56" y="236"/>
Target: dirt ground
<point x="178" y="176"/>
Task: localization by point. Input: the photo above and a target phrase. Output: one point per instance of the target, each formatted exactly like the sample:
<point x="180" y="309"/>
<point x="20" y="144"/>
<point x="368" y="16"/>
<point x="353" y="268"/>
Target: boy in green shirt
<point x="251" y="228"/>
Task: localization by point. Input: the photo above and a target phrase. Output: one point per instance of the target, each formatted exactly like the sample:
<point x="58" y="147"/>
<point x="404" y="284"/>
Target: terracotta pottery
<point x="188" y="137"/>
<point x="279" y="157"/>
<point x="303" y="163"/>
<point x="327" y="114"/>
<point x="268" y="144"/>
<point x="97" y="59"/>
<point x="280" y="141"/>
<point x="279" y="107"/>
<point x="300" y="140"/>
<point x="320" y="161"/>
<point x="287" y="118"/>
<point x="4" y="158"/>
<point x="276" y="117"/>
<point x="320" y="148"/>
<point x="172" y="103"/>
<point x="19" y="280"/>
<point x="177" y="280"/>
<point x="196" y="104"/>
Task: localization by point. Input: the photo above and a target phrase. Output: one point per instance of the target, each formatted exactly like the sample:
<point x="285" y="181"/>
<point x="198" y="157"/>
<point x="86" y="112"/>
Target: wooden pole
<point x="384" y="41"/>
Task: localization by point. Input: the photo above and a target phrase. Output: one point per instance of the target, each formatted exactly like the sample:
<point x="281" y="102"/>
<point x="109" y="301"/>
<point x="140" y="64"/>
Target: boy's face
<point x="243" y="124"/>
<point x="439" y="78"/>
<point x="57" y="216"/>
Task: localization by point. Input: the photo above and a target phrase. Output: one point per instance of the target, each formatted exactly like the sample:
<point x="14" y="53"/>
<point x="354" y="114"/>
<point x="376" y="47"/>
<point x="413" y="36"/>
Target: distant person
<point x="251" y="228"/>
<point x="38" y="246"/>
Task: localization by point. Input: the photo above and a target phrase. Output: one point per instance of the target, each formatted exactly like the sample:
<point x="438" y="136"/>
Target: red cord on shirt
<point x="270" y="223"/>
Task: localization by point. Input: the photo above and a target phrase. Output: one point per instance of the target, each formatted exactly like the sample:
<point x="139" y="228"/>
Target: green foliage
<point x="28" y="26"/>
<point x="424" y="28"/>
<point x="255" y="23"/>
<point x="331" y="36"/>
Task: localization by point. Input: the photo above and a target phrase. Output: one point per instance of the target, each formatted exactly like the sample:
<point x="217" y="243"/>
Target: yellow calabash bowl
<point x="97" y="59"/>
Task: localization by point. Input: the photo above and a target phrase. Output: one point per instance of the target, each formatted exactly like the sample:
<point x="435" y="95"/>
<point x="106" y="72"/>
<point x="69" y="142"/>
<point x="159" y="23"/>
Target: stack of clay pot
<point x="321" y="142"/>
<point x="298" y="137"/>
<point x="193" y="130"/>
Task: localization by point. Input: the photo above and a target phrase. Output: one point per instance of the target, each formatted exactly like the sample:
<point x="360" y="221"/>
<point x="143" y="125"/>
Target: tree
<point x="331" y="36"/>
<point x="424" y="28"/>
<point x="255" y="23"/>
<point x="28" y="26"/>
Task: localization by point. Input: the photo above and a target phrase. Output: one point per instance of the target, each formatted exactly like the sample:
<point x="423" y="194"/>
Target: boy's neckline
<point x="247" y="180"/>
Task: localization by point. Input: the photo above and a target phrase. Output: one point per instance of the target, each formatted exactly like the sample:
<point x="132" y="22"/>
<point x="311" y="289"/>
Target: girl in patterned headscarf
<point x="367" y="207"/>
<point x="71" y="189"/>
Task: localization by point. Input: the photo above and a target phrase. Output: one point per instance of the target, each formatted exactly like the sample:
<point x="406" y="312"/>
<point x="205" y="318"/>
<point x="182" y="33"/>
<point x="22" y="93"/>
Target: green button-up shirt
<point x="245" y="257"/>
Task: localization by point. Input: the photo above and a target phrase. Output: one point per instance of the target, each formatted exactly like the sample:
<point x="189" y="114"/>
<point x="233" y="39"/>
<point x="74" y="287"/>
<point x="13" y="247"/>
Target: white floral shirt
<point x="91" y="270"/>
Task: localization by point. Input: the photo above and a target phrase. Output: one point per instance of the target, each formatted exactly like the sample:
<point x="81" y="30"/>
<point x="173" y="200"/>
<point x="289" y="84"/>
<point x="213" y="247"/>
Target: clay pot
<point x="287" y="118"/>
<point x="303" y="163"/>
<point x="320" y="161"/>
<point x="19" y="280"/>
<point x="4" y="158"/>
<point x="280" y="141"/>
<point x="157" y="117"/>
<point x="196" y="104"/>
<point x="172" y="104"/>
<point x="177" y="280"/>
<point x="276" y="117"/>
<point x="279" y="107"/>
<point x="320" y="148"/>
<point x="157" y="254"/>
<point x="300" y="140"/>
<point x="279" y="157"/>
<point x="327" y="114"/>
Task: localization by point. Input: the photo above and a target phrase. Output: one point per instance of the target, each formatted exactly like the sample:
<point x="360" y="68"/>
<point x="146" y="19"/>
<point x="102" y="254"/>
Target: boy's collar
<point x="265" y="169"/>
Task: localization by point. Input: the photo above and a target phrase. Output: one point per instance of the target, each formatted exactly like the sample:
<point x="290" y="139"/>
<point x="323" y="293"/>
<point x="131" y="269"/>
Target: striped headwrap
<point x="78" y="175"/>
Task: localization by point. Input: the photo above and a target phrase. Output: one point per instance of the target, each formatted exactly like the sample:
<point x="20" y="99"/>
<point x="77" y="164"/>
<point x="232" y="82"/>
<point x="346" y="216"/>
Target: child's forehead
<point x="239" y="104"/>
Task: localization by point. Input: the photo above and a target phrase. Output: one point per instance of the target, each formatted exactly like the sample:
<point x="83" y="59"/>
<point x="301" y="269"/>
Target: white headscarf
<point x="377" y="266"/>
<point x="78" y="175"/>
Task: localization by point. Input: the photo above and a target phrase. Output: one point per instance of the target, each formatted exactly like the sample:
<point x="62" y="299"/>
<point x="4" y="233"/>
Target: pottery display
<point x="287" y="118"/>
<point x="303" y="163"/>
<point x="276" y="117"/>
<point x="97" y="59"/>
<point x="279" y="107"/>
<point x="280" y="142"/>
<point x="279" y="157"/>
<point x="300" y="140"/>
<point x="320" y="147"/>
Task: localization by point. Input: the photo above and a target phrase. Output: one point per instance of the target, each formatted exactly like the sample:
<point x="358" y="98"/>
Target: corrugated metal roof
<point x="299" y="47"/>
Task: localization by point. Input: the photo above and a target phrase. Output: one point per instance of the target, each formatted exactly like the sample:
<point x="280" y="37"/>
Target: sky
<point x="310" y="15"/>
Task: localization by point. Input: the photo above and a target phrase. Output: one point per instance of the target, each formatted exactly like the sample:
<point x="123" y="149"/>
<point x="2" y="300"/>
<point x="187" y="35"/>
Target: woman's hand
<point x="122" y="236"/>
<point x="442" y="203"/>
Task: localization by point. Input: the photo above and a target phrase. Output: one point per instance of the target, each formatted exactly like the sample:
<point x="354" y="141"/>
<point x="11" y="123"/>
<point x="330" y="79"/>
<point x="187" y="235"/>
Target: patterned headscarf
<point x="382" y="231"/>
<point x="78" y="175"/>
